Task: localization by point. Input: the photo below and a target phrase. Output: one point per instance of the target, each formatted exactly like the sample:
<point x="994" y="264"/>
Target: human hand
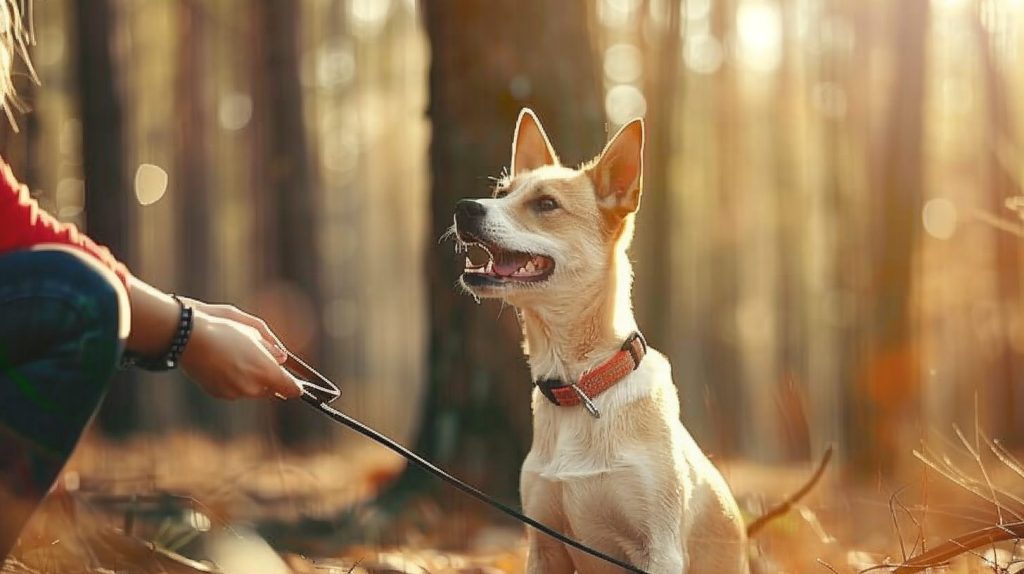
<point x="268" y="338"/>
<point x="232" y="355"/>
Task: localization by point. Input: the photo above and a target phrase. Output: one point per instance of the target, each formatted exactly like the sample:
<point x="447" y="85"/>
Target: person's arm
<point x="23" y="224"/>
<point x="230" y="354"/>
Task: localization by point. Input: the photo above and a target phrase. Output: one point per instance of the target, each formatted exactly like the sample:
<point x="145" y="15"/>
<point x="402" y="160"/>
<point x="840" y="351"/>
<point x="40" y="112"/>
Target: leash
<point x="320" y="393"/>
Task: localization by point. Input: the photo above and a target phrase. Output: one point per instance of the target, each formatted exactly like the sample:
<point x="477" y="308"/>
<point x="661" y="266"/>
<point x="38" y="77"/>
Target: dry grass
<point x="146" y="505"/>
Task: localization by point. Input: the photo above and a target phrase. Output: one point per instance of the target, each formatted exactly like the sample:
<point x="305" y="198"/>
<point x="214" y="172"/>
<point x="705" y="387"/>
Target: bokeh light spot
<point x="234" y="111"/>
<point x="616" y="13"/>
<point x="703" y="54"/>
<point x="940" y="218"/>
<point x="335" y="65"/>
<point x="623" y="63"/>
<point x="759" y="29"/>
<point x="368" y="16"/>
<point x="70" y="197"/>
<point x="150" y="183"/>
<point x="624" y="103"/>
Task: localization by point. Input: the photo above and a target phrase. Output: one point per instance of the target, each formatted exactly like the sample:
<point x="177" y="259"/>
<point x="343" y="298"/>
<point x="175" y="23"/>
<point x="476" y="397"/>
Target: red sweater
<point x="23" y="224"/>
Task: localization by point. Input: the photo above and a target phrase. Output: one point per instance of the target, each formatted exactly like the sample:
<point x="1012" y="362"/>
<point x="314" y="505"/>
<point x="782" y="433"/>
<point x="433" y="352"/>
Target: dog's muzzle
<point x="469" y="215"/>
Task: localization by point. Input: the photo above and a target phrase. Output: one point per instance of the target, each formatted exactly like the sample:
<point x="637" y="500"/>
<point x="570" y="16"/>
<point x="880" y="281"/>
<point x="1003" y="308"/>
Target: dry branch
<point x="788" y="503"/>
<point x="954" y="547"/>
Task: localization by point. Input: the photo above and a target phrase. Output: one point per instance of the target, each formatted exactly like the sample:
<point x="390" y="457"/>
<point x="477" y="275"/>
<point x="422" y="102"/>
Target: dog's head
<point x="549" y="230"/>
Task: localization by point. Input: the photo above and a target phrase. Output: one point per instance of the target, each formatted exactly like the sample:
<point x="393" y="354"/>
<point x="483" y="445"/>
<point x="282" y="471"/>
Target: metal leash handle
<point x="321" y="392"/>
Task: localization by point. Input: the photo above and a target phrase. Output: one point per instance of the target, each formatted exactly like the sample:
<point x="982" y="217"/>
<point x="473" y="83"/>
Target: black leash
<point x="323" y="391"/>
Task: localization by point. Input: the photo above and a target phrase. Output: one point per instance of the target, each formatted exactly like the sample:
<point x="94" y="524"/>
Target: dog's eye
<point x="545" y="204"/>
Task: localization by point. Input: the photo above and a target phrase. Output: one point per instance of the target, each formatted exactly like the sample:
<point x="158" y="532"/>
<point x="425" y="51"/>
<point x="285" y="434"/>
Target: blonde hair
<point x="15" y="38"/>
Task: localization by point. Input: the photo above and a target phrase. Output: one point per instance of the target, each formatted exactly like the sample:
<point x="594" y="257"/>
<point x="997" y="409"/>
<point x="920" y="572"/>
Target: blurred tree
<point x="724" y="396"/>
<point x="1006" y="371"/>
<point x="284" y="164"/>
<point x="489" y="59"/>
<point x="196" y="207"/>
<point x="663" y="84"/>
<point x="192" y="171"/>
<point x="109" y="200"/>
<point x="889" y="383"/>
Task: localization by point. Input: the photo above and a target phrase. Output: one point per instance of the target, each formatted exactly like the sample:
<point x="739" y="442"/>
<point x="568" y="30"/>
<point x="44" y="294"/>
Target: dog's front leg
<point x="660" y="557"/>
<point x="546" y="555"/>
<point x="542" y="501"/>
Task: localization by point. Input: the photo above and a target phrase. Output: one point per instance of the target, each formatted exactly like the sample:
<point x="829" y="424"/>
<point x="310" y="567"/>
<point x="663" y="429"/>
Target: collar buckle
<point x="634" y="350"/>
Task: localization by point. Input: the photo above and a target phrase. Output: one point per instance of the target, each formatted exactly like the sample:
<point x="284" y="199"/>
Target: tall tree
<point x="489" y="59"/>
<point x="724" y="398"/>
<point x="1006" y="371"/>
<point x="109" y="202"/>
<point x="286" y="170"/>
<point x="890" y="379"/>
<point x="663" y="83"/>
<point x="192" y="170"/>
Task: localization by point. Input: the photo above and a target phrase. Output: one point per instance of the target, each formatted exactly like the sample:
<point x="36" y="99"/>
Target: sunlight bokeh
<point x="150" y="183"/>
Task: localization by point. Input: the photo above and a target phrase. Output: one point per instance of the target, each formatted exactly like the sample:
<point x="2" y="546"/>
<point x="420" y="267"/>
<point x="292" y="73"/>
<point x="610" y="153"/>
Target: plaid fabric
<point x="58" y="347"/>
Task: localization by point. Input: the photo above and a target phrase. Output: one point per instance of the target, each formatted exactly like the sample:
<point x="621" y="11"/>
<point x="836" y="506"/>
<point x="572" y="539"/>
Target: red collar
<point x="599" y="380"/>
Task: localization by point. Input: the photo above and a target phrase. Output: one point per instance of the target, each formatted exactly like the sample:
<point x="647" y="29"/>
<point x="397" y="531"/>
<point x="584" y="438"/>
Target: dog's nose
<point x="467" y="211"/>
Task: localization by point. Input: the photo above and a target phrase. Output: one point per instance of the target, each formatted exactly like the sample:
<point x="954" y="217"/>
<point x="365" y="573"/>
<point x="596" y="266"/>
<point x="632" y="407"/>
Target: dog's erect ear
<point x="530" y="148"/>
<point x="618" y="173"/>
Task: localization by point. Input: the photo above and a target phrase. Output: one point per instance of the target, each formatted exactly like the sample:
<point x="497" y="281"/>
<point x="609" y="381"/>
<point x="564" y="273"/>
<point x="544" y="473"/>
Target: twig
<point x="954" y="547"/>
<point x="827" y="566"/>
<point x="788" y="503"/>
<point x="954" y="475"/>
<point x="976" y="455"/>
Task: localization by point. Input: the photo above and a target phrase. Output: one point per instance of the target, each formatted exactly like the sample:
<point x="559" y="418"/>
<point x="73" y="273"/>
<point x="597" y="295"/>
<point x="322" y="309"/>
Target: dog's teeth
<point x="529" y="267"/>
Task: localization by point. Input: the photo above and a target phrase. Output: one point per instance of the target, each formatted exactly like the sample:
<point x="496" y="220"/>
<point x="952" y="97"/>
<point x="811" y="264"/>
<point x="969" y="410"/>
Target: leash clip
<point x="587" y="403"/>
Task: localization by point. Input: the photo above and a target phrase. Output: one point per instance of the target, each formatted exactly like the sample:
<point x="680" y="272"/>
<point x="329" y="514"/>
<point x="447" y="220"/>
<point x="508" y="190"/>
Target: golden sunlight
<point x="759" y="35"/>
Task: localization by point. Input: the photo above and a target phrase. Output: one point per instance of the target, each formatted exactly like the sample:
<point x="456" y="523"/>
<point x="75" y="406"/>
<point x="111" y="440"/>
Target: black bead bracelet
<point x="171" y="358"/>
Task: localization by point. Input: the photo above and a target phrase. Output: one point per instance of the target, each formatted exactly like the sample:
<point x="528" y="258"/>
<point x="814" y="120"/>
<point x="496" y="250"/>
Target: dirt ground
<point x="189" y="504"/>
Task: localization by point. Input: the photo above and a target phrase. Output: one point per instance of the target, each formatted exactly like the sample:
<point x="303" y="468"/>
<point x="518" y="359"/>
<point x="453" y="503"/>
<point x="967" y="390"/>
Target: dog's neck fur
<point x="566" y="337"/>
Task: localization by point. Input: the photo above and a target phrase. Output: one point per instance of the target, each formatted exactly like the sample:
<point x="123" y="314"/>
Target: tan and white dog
<point x="617" y="470"/>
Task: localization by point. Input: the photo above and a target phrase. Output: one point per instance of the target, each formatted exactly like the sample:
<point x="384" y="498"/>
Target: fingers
<point x="274" y="345"/>
<point x="288" y="388"/>
<point x="232" y="360"/>
<point x="276" y="381"/>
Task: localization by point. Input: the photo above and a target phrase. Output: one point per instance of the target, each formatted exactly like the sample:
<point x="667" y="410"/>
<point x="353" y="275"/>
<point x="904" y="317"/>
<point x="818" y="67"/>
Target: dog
<point x="610" y="463"/>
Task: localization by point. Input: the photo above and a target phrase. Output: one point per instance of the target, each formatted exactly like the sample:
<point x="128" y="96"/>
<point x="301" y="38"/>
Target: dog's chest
<point x="637" y="428"/>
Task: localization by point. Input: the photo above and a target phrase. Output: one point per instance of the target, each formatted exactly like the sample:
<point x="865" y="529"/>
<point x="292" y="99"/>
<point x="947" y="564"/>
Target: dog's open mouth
<point x="487" y="264"/>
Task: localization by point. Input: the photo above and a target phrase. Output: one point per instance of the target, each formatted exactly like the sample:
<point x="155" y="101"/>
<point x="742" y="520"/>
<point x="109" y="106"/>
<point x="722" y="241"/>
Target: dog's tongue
<point x="507" y="265"/>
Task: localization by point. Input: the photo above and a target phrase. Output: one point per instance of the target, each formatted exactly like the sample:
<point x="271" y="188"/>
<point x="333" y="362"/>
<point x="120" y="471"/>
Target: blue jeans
<point x="61" y="335"/>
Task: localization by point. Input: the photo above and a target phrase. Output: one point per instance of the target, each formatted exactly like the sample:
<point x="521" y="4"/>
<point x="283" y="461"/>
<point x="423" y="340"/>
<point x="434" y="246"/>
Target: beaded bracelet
<point x="171" y="358"/>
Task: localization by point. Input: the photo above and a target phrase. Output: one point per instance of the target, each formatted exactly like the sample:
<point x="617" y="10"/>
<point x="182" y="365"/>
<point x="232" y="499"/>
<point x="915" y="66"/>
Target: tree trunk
<point x="192" y="171"/>
<point x="290" y="213"/>
<point x="724" y="395"/>
<point x="489" y="60"/>
<point x="891" y="378"/>
<point x="109" y="201"/>
<point x="662" y="83"/>
<point x="1006" y="370"/>
<point x="196" y="207"/>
